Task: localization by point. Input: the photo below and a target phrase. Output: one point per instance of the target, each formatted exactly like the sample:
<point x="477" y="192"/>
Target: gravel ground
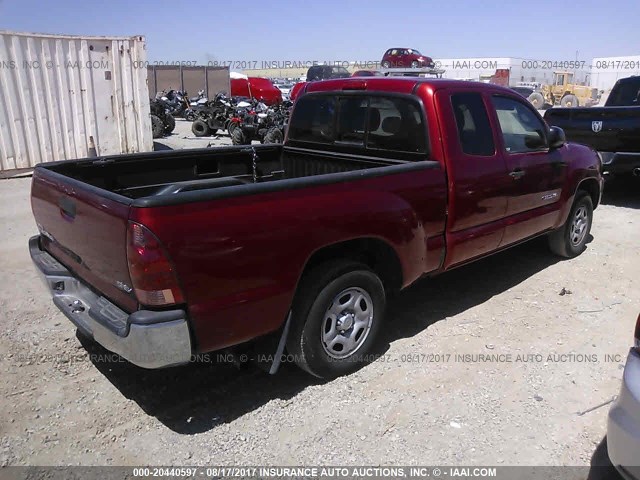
<point x="420" y="404"/>
<point x="182" y="137"/>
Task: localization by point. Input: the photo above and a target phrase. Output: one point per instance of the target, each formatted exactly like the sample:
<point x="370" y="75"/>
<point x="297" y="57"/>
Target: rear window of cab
<point x="375" y="125"/>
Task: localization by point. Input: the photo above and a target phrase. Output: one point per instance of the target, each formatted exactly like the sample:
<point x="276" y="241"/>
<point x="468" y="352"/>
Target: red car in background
<point x="405" y="58"/>
<point x="256" y="87"/>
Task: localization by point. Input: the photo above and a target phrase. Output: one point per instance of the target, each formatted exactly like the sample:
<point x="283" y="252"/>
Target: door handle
<point x="516" y="174"/>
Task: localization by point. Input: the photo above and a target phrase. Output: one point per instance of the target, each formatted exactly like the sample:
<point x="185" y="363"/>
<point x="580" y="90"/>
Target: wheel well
<point x="591" y="186"/>
<point x="375" y="253"/>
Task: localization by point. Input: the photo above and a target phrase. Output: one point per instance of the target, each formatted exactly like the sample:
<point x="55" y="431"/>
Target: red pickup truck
<point x="380" y="181"/>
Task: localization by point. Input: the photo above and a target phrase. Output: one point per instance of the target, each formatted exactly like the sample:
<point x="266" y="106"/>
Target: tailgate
<point x="619" y="131"/>
<point x="85" y="230"/>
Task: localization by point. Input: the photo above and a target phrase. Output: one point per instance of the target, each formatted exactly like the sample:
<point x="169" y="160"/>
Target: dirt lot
<point x="421" y="403"/>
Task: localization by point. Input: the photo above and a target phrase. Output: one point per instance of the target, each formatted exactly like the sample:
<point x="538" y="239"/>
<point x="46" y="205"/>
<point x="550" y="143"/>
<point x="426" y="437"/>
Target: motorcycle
<point x="175" y="100"/>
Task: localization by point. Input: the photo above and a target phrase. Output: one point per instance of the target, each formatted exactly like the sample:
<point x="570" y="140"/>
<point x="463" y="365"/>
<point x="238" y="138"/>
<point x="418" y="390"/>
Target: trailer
<point x="67" y="97"/>
<point x="412" y="72"/>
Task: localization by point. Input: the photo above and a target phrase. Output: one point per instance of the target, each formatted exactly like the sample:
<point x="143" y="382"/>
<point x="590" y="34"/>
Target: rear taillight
<point x="154" y="279"/>
<point x="637" y="335"/>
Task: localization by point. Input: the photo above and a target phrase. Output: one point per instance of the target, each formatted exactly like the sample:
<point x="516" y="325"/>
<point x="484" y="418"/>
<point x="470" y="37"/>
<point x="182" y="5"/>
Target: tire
<point x="569" y="101"/>
<point x="570" y="240"/>
<point x="274" y="135"/>
<point x="200" y="128"/>
<point x="414" y="64"/>
<point x="537" y="100"/>
<point x="386" y="64"/>
<point x="322" y="300"/>
<point x="157" y="126"/>
<point x="231" y="127"/>
<point x="170" y="124"/>
<point x="238" y="137"/>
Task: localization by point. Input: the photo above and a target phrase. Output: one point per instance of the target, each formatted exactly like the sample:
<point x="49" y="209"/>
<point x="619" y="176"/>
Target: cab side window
<point x="522" y="130"/>
<point x="474" y="129"/>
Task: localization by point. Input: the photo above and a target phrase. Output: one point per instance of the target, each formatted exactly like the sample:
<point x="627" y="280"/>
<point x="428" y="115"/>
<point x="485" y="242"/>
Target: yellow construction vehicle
<point x="565" y="92"/>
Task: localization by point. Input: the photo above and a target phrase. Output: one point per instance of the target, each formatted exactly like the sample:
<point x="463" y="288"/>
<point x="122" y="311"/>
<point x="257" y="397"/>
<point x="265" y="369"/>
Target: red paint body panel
<point x="256" y="87"/>
<point x="239" y="258"/>
<point x="93" y="243"/>
<point x="239" y="275"/>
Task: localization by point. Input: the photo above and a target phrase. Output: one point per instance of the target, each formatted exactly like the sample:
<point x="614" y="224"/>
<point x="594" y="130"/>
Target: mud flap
<point x="267" y="352"/>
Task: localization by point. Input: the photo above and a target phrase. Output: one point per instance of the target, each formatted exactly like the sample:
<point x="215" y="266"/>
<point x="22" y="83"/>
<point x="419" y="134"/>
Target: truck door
<point x="477" y="176"/>
<point x="537" y="174"/>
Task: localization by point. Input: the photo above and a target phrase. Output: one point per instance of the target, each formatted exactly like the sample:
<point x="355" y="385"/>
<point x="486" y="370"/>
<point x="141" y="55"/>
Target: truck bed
<point x="168" y="173"/>
<point x="83" y="207"/>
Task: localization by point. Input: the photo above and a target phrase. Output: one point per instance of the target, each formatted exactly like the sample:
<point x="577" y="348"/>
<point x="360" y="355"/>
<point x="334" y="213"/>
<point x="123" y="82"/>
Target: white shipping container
<point x="64" y="97"/>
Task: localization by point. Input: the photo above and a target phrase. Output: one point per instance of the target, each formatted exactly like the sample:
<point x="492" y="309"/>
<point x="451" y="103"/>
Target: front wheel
<point x="571" y="239"/>
<point x="537" y="100"/>
<point x="337" y="314"/>
<point x="157" y="126"/>
<point x="569" y="101"/>
<point x="200" y="128"/>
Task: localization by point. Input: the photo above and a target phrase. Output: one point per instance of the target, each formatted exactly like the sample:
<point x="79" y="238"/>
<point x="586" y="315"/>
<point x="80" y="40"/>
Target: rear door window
<point x="474" y="130"/>
<point x="396" y="124"/>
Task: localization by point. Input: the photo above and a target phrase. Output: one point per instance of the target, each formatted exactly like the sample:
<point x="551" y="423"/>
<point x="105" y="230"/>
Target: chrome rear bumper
<point x="145" y="338"/>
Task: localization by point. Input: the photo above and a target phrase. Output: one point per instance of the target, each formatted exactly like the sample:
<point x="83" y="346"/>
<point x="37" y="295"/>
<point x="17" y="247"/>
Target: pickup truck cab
<point x="380" y="182"/>
<point x="612" y="130"/>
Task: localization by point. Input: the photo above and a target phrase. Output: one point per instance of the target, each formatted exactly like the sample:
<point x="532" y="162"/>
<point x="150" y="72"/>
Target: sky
<point x="338" y="30"/>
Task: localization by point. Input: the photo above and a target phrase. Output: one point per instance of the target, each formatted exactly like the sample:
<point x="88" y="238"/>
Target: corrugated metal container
<point x="64" y="97"/>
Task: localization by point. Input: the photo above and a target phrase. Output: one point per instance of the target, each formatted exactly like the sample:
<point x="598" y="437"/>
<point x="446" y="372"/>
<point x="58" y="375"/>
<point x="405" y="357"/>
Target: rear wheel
<point x="170" y="124"/>
<point x="337" y="314"/>
<point x="157" y="126"/>
<point x="571" y="239"/>
<point x="274" y="135"/>
<point x="200" y="128"/>
<point x="414" y="64"/>
<point x="386" y="64"/>
<point x="238" y="137"/>
<point x="569" y="101"/>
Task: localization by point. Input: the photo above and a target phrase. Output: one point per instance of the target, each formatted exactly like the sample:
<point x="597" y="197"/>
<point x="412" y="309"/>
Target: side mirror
<point x="557" y="137"/>
<point x="534" y="141"/>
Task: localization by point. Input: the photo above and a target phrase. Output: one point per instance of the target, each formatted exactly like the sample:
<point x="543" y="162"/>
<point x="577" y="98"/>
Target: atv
<point x="162" y="122"/>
